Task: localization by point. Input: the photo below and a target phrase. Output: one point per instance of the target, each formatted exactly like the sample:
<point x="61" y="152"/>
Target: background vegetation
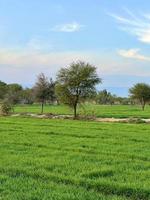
<point x="74" y="86"/>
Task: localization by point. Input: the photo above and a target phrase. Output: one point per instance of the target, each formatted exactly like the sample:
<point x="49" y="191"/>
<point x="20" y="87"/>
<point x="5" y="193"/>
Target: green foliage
<point x="64" y="159"/>
<point x="3" y="89"/>
<point x="27" y="96"/>
<point x="44" y="90"/>
<point x="41" y="88"/>
<point x="123" y="100"/>
<point x="76" y="83"/>
<point x="105" y="97"/>
<point x="11" y="92"/>
<point x="141" y="92"/>
<point x="14" y="93"/>
<point x="51" y="91"/>
<point x="5" y="108"/>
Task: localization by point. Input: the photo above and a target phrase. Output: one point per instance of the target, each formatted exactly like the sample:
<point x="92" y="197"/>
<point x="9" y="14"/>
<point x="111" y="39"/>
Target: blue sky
<point x="43" y="36"/>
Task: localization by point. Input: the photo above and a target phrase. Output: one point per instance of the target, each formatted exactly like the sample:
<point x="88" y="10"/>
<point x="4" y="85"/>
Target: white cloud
<point x="138" y="26"/>
<point x="70" y="27"/>
<point x="133" y="53"/>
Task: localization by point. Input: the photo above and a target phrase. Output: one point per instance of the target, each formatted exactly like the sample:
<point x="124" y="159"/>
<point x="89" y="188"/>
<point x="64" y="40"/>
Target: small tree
<point x="5" y="107"/>
<point x="141" y="92"/>
<point x="41" y="89"/>
<point x="75" y="83"/>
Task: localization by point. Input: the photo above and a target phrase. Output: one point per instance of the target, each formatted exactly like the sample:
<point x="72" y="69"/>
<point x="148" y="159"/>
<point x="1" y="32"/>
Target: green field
<point x="117" y="111"/>
<point x="44" y="159"/>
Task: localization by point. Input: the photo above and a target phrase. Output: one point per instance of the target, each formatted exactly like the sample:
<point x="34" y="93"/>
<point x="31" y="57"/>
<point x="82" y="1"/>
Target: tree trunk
<point x="58" y="103"/>
<point x="75" y="111"/>
<point x="143" y="106"/>
<point x="75" y="105"/>
<point x="42" y="105"/>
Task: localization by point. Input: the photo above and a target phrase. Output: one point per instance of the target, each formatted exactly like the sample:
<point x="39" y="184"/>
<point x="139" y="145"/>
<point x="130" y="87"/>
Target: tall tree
<point x="141" y="92"/>
<point x="44" y="90"/>
<point x="75" y="83"/>
<point x="41" y="89"/>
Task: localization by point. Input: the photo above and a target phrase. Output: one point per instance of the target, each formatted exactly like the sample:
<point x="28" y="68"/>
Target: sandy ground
<point x="50" y="116"/>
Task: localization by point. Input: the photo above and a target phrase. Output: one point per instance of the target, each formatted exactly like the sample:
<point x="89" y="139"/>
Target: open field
<point x="117" y="111"/>
<point x="45" y="159"/>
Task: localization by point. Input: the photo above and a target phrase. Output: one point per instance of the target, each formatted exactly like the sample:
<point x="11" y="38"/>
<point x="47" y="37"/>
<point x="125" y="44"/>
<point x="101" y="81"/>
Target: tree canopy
<point x="43" y="89"/>
<point x="75" y="83"/>
<point x="141" y="92"/>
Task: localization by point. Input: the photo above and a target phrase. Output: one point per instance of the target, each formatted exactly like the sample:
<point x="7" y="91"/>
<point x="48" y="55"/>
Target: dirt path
<point x="50" y="116"/>
<point x="127" y="120"/>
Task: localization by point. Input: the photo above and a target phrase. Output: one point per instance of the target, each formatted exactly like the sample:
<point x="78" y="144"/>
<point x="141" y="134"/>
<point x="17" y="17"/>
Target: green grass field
<point x="117" y="111"/>
<point x="45" y="159"/>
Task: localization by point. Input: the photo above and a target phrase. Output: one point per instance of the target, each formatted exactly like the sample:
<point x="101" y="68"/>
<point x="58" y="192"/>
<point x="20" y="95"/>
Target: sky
<point x="43" y="36"/>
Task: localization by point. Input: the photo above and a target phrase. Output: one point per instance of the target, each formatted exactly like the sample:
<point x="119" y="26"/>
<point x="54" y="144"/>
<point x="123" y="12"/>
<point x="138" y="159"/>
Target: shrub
<point x="5" y="108"/>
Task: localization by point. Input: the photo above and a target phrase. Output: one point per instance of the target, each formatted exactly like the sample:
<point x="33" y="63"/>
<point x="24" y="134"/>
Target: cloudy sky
<point x="43" y="36"/>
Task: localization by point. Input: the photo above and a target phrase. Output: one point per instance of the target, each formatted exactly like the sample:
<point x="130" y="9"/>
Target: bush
<point x="5" y="108"/>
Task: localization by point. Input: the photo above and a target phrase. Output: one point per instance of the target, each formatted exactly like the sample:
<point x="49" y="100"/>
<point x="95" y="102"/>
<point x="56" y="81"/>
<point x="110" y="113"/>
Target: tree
<point x="14" y="93"/>
<point x="3" y="89"/>
<point x="123" y="100"/>
<point x="27" y="96"/>
<point x="141" y="92"/>
<point x="75" y="83"/>
<point x="5" y="107"/>
<point x="43" y="89"/>
<point x="51" y="91"/>
<point x="105" y="97"/>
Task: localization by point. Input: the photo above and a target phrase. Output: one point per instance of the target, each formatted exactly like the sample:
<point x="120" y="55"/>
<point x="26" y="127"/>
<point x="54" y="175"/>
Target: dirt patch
<point x="111" y="120"/>
<point x="51" y="116"/>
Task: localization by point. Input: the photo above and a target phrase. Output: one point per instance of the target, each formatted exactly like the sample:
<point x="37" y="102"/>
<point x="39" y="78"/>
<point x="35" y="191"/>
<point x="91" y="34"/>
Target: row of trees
<point x="11" y="92"/>
<point x="15" y="93"/>
<point x="139" y="93"/>
<point x="74" y="84"/>
<point x="106" y="98"/>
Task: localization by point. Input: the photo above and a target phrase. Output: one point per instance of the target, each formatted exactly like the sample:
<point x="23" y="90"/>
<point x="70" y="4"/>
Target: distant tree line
<point x="73" y="85"/>
<point x="42" y="92"/>
<point x="107" y="98"/>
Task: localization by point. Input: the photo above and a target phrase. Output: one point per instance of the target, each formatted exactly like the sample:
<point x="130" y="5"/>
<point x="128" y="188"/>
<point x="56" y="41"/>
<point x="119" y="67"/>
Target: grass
<point x="117" y="111"/>
<point x="45" y="159"/>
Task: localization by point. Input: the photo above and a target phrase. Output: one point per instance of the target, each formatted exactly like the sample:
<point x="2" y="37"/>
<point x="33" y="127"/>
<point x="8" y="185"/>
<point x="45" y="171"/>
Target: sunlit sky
<point x="43" y="36"/>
